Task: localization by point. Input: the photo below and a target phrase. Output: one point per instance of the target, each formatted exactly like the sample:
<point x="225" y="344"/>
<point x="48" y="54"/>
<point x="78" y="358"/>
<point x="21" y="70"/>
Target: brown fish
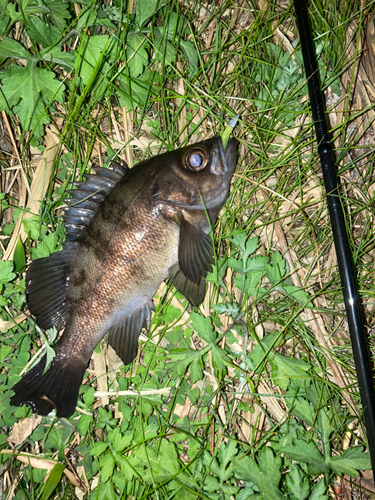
<point x="127" y="231"/>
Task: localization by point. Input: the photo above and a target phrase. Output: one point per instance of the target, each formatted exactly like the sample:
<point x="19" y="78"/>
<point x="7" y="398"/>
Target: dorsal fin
<point x="85" y="200"/>
<point x="46" y="279"/>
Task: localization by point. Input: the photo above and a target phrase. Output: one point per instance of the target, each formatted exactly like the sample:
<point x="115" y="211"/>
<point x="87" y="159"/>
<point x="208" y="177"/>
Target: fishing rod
<point x="340" y="235"/>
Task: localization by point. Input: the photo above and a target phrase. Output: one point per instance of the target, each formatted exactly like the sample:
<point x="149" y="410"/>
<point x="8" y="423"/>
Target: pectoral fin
<point x="194" y="292"/>
<point x="195" y="252"/>
<point x="123" y="337"/>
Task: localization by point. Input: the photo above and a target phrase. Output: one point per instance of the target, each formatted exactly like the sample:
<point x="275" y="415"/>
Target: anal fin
<point x="194" y="292"/>
<point x="123" y="337"/>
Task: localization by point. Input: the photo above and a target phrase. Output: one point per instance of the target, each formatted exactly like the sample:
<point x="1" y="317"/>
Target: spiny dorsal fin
<point x="85" y="200"/>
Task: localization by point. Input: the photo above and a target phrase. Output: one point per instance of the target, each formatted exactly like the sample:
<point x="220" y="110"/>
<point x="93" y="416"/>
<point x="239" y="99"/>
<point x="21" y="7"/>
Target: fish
<point x="127" y="230"/>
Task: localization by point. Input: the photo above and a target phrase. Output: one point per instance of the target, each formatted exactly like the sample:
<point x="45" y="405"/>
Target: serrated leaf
<point x="301" y="409"/>
<point x="135" y="92"/>
<point x="202" y="325"/>
<point x="107" y="466"/>
<point x="6" y="271"/>
<point x="97" y="53"/>
<point x="252" y="286"/>
<point x="58" y="12"/>
<point x="301" y="451"/>
<point x="31" y="225"/>
<point x="98" y="448"/>
<point x="46" y="246"/>
<point x="163" y="462"/>
<point x="196" y="369"/>
<point x="12" y="48"/>
<point x="27" y="91"/>
<point x="297" y="294"/>
<point x="284" y="368"/>
<point x="297" y="483"/>
<point x="43" y="34"/>
<point x="246" y="245"/>
<point x="145" y="9"/>
<point x="180" y="360"/>
<point x="350" y="462"/>
<point x="220" y="359"/>
<point x="276" y="270"/>
<point x="266" y="476"/>
<point x="317" y="493"/>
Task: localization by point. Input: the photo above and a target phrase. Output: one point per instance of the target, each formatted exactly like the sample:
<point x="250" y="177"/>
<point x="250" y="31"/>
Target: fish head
<point x="196" y="177"/>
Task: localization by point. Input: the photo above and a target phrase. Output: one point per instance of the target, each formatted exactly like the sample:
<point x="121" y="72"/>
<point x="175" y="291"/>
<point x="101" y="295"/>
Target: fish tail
<point x="57" y="388"/>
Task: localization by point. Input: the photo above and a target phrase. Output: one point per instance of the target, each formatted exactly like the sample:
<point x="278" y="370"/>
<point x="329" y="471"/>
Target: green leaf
<point x="98" y="448"/>
<point x="6" y="271"/>
<point x="162" y="463"/>
<point x="220" y="359"/>
<point x="27" y="92"/>
<point x="135" y="92"/>
<point x="297" y="483"/>
<point x="5" y="351"/>
<point x="284" y="368"/>
<point x="181" y="359"/>
<point x="276" y="270"/>
<point x="297" y="294"/>
<point x="317" y="493"/>
<point x="203" y="327"/>
<point x="93" y="72"/>
<point x="12" y="48"/>
<point x="55" y="55"/>
<point x="266" y="476"/>
<point x="166" y="53"/>
<point x="136" y="53"/>
<point x="301" y="409"/>
<point x="19" y="256"/>
<point x="41" y="33"/>
<point x="301" y="451"/>
<point x="350" y="462"/>
<point x="53" y="481"/>
<point x="31" y="226"/>
<point x="107" y="466"/>
<point x="145" y="9"/>
<point x="246" y="245"/>
<point x="58" y="12"/>
<point x="46" y="246"/>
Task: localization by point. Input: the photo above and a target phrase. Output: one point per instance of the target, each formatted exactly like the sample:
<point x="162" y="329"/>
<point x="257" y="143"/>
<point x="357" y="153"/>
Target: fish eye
<point x="195" y="159"/>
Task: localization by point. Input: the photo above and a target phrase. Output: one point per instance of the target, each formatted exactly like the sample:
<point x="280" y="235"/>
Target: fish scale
<point x="127" y="231"/>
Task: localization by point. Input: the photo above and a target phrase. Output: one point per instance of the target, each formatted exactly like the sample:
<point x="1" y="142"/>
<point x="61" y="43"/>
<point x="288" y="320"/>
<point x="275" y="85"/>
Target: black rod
<point x="340" y="236"/>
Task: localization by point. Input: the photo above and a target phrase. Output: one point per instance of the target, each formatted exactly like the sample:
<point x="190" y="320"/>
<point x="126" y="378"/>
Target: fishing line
<point x="340" y="236"/>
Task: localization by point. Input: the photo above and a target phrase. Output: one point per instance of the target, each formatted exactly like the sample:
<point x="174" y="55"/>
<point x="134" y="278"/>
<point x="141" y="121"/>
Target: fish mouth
<point x="229" y="154"/>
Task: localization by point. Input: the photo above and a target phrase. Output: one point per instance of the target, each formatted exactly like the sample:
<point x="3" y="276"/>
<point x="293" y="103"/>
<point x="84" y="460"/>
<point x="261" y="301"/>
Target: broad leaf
<point x="266" y="476"/>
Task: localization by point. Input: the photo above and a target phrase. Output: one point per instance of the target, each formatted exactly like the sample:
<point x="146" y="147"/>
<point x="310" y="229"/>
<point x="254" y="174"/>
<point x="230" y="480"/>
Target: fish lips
<point x="225" y="168"/>
<point x="228" y="157"/>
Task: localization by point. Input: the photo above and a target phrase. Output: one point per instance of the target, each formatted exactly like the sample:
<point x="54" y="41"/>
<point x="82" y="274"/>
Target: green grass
<point x="254" y="395"/>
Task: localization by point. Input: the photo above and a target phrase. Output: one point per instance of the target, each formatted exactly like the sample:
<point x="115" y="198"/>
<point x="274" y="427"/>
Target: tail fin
<point x="57" y="388"/>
